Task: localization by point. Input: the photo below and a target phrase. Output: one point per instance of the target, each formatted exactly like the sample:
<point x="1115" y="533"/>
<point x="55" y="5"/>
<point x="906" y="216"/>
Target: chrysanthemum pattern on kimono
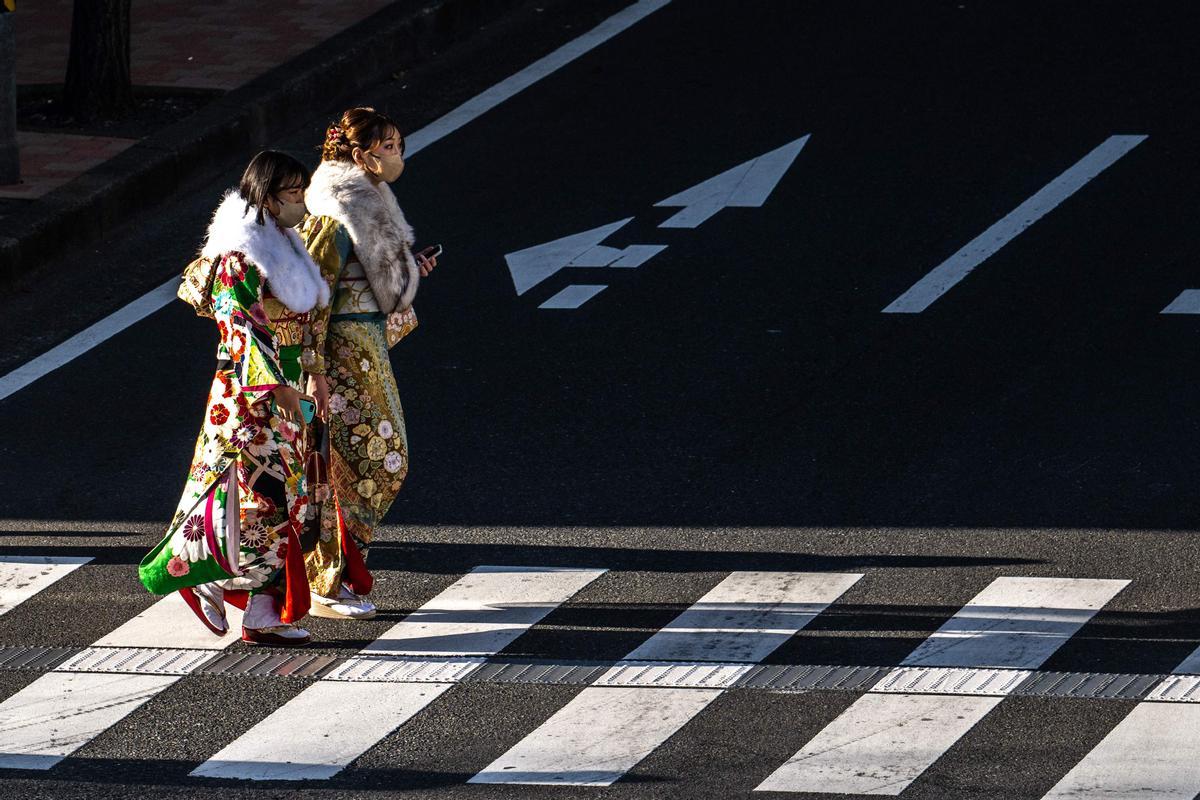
<point x="244" y="493"/>
<point x="368" y="459"/>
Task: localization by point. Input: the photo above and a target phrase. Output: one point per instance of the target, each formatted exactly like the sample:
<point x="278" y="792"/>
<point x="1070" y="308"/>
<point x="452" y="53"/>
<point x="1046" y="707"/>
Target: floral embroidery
<point x="218" y="415"/>
<point x="244" y="436"/>
<point x="237" y="344"/>
<point x="254" y="535"/>
<point x="368" y="447"/>
<point x="241" y="448"/>
<point x="193" y="529"/>
<point x="288" y="431"/>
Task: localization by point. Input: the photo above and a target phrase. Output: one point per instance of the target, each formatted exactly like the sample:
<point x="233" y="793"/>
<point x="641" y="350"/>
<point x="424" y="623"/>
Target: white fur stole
<point x="286" y="267"/>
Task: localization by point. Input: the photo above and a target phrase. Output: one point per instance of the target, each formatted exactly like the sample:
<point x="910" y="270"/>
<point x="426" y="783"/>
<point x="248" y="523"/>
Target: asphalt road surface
<point x="769" y="426"/>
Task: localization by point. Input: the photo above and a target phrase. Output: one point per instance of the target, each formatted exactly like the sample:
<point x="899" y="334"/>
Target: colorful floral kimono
<point x="244" y="499"/>
<point x="368" y="445"/>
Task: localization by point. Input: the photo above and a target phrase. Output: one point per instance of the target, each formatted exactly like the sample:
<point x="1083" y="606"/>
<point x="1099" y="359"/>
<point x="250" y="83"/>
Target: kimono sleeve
<point x="247" y="338"/>
<point x="329" y="245"/>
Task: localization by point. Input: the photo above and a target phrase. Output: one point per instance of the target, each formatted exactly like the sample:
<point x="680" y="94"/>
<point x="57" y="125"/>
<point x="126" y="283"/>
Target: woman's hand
<point x="426" y="263"/>
<point x="287" y="400"/>
<point x="318" y="387"/>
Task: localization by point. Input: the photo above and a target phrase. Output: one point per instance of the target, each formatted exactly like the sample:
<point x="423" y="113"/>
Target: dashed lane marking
<point x="958" y="266"/>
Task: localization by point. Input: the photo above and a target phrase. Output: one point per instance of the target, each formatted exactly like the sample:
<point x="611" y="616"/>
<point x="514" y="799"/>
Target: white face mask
<point x="386" y="167"/>
<point x="290" y="214"/>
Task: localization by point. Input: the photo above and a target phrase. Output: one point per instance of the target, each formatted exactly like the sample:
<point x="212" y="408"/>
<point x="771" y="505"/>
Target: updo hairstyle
<point x="361" y="127"/>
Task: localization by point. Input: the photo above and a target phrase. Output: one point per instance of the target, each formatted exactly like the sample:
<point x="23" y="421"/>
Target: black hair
<point x="268" y="173"/>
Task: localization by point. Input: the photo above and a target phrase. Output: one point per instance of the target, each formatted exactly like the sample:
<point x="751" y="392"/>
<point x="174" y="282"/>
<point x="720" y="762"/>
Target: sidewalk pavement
<point x="176" y="44"/>
<point x="270" y="63"/>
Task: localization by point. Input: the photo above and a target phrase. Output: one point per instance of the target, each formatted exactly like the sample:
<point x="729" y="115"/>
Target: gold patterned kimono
<point x="368" y="445"/>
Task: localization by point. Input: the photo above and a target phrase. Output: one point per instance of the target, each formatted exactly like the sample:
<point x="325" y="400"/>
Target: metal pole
<point x="10" y="167"/>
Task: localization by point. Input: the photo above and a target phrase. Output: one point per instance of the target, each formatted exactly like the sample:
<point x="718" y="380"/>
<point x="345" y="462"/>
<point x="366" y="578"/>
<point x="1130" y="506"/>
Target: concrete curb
<point x="245" y="118"/>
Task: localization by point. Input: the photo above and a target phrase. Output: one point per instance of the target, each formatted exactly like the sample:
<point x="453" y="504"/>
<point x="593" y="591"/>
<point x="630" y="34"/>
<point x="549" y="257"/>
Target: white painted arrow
<point x="745" y="186"/>
<point x="531" y="266"/>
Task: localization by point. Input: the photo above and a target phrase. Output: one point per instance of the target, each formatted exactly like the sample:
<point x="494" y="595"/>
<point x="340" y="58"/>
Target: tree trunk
<point x="98" y="82"/>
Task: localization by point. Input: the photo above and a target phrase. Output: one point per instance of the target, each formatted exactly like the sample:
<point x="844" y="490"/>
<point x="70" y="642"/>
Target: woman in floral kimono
<point x="234" y="535"/>
<point x="363" y="245"/>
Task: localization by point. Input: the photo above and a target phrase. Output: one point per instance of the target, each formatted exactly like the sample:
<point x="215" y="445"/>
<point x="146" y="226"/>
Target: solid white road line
<point x="1149" y="755"/>
<point x="944" y="277"/>
<point x="479" y="615"/>
<point x="487" y="100"/>
<point x="883" y="742"/>
<point x="21" y="577"/>
<point x="419" y="140"/>
<point x="606" y="730"/>
<point x="88" y="338"/>
<point x="62" y="711"/>
<point x="1188" y="302"/>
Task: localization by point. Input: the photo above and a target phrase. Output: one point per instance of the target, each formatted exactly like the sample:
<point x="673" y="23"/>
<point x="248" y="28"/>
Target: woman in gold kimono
<point x="358" y="236"/>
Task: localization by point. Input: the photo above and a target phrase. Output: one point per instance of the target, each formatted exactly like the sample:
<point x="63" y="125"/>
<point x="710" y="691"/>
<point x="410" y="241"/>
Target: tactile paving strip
<point x="675" y="675"/>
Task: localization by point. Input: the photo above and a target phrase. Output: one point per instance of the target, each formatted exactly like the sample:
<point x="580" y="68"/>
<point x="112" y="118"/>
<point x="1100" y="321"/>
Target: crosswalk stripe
<point x="1149" y="755"/>
<point x="62" y="711"/>
<point x="483" y="612"/>
<point x="169" y="623"/>
<point x="353" y="716"/>
<point x="21" y="577"/>
<point x="884" y="741"/>
<point x="478" y="615"/>
<point x="59" y="713"/>
<point x="1190" y="665"/>
<point x="606" y="730"/>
